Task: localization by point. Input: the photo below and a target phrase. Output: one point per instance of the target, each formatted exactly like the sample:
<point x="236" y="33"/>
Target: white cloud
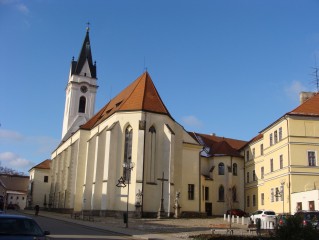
<point x="17" y="4"/>
<point x="192" y="121"/>
<point x="14" y="161"/>
<point x="10" y="135"/>
<point x="293" y="90"/>
<point x="22" y="8"/>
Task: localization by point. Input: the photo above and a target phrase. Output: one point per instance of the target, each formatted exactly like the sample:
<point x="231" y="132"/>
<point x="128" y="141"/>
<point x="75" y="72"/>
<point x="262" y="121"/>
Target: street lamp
<point x="281" y="194"/>
<point x="128" y="166"/>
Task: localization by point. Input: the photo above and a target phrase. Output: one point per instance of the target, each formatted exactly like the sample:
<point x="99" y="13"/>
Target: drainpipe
<point x="289" y="169"/>
<point x="142" y="197"/>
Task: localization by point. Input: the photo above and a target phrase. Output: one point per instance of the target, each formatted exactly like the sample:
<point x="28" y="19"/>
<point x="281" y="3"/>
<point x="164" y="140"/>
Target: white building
<point x="39" y="186"/>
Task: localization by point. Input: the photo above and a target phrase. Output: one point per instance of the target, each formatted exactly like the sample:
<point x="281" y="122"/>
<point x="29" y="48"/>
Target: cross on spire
<point x="88" y="27"/>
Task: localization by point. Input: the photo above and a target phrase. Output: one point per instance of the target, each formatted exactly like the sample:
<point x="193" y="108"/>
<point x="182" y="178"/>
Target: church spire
<point x="84" y="56"/>
<point x="80" y="91"/>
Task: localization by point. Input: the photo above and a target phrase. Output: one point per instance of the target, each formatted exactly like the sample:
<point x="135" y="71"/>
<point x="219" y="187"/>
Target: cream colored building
<point x="39" y="185"/>
<point x="282" y="160"/>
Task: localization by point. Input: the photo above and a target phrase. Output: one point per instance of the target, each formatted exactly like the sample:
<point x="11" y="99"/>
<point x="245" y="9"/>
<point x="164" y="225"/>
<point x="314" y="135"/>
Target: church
<point x="133" y="156"/>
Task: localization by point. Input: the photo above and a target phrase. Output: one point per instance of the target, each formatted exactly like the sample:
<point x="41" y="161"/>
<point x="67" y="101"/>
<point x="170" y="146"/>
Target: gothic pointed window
<point x="221" y="169"/>
<point x="127" y="151"/>
<point x="221" y="193"/>
<point x="82" y="104"/>
<point x="152" y="161"/>
<point x="234" y="194"/>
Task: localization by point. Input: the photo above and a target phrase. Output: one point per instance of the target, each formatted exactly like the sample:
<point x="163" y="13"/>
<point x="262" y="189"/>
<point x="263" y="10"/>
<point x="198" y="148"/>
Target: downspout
<point x="289" y="169"/>
<point x="143" y="166"/>
<point x="200" y="183"/>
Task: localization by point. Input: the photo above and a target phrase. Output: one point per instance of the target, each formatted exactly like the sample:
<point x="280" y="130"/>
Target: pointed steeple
<point x="85" y="56"/>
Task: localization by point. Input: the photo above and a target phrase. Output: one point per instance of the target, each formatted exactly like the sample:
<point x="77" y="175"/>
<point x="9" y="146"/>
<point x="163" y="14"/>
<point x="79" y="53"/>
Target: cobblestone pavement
<point x="150" y="228"/>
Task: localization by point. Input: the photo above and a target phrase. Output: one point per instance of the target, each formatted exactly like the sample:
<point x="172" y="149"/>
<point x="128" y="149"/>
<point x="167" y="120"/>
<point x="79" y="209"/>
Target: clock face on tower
<point x="84" y="89"/>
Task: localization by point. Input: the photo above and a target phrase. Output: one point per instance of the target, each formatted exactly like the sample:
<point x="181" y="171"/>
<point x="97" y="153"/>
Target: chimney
<point x="304" y="96"/>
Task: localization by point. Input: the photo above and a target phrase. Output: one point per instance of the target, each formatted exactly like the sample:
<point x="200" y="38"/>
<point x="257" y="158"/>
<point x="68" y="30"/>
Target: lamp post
<point x="128" y="166"/>
<point x="281" y="194"/>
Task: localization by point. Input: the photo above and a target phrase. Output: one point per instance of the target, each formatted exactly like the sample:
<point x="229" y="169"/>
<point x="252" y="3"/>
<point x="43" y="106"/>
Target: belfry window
<point x="82" y="104"/>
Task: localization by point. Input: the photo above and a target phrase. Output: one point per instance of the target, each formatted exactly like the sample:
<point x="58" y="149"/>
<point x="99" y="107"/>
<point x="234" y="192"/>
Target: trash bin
<point x="125" y="217"/>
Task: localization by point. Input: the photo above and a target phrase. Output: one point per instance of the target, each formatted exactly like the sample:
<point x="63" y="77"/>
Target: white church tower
<point x="80" y="90"/>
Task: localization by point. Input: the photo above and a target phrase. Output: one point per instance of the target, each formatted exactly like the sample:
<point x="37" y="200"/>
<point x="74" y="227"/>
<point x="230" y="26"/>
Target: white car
<point x="263" y="215"/>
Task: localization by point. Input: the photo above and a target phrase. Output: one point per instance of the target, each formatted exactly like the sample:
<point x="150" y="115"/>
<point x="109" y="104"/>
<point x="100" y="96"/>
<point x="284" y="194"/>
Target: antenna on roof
<point x="316" y="75"/>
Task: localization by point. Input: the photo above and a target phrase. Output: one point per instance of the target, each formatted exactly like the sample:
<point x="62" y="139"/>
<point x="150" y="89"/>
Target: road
<point x="65" y="230"/>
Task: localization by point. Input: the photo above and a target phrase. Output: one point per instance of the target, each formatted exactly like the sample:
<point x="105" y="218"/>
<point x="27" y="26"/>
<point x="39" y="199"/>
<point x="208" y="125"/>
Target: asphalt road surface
<point x="65" y="230"/>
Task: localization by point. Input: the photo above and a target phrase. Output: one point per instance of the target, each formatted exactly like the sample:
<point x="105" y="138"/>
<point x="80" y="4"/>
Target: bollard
<point x="225" y="217"/>
<point x="125" y="217"/>
<point x="237" y="220"/>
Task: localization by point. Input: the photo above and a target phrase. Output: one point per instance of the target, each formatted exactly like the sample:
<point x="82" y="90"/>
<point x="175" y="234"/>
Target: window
<point x="128" y="152"/>
<point x="151" y="166"/>
<point x="206" y="193"/>
<point x="280" y="133"/>
<point x="248" y="201"/>
<point x="82" y="104"/>
<point x="270" y="139"/>
<point x="261" y="149"/>
<point x="254" y="175"/>
<point x="221" y="194"/>
<point x="262" y="196"/>
<point x="275" y="137"/>
<point x="191" y="188"/>
<point x="221" y="169"/>
<point x="282" y="192"/>
<point x="281" y="162"/>
<point x="271" y="165"/>
<point x="311" y="158"/>
<point x="46" y="178"/>
<point x="17" y="198"/>
<point x="262" y="172"/>
<point x="253" y="152"/>
<point x="247" y="179"/>
<point x="254" y="200"/>
<point x="234" y="194"/>
<point x="235" y="169"/>
<point x="277" y="194"/>
<point x="272" y="194"/>
<point x="247" y="155"/>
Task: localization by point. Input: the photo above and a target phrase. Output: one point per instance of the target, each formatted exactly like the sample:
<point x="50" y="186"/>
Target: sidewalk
<point x="149" y="228"/>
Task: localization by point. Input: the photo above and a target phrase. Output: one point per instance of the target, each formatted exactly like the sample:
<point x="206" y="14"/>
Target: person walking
<point x="36" y="208"/>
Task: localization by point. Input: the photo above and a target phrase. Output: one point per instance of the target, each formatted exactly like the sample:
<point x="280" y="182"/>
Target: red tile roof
<point x="308" y="108"/>
<point x="43" y="165"/>
<point x="219" y="145"/>
<point x="141" y="95"/>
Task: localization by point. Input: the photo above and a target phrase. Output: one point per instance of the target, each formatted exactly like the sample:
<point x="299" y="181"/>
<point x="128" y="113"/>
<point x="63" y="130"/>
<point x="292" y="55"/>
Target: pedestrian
<point x="36" y="208"/>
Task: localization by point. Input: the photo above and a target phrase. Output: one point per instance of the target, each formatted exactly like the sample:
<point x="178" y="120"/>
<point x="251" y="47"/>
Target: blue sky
<point x="229" y="67"/>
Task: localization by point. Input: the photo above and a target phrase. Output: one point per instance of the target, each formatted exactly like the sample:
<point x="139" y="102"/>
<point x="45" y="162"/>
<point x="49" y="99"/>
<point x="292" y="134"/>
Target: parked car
<point x="263" y="215"/>
<point x="282" y="219"/>
<point x="236" y="212"/>
<point x="309" y="218"/>
<point x="20" y="227"/>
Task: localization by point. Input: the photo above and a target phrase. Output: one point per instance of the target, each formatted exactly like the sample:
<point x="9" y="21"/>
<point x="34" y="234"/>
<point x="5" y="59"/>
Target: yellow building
<point x="282" y="160"/>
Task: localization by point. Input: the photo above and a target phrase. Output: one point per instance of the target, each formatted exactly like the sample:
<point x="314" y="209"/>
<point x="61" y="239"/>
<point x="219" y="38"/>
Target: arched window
<point x="82" y="104"/>
<point x="221" y="193"/>
<point x="152" y="161"/>
<point x="235" y="169"/>
<point x="128" y="151"/>
<point x="234" y="194"/>
<point x="221" y="169"/>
